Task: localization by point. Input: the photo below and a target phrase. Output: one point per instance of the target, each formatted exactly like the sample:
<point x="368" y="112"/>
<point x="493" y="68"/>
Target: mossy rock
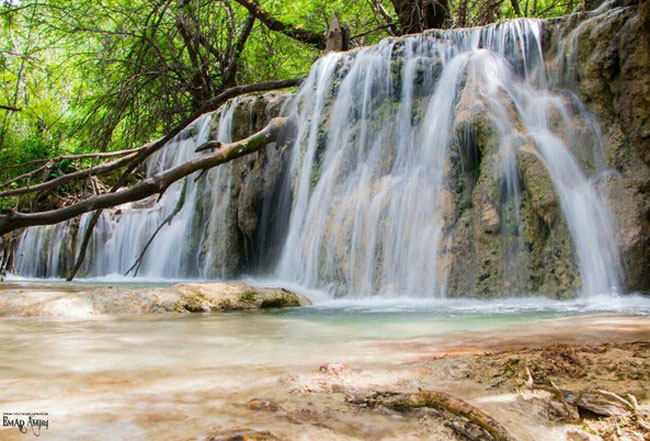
<point x="538" y="184"/>
<point x="235" y="296"/>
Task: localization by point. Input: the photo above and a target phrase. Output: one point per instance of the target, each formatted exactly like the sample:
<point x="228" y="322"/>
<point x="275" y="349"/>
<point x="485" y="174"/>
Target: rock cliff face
<point x="513" y="241"/>
<point x="230" y="230"/>
<point x="501" y="233"/>
<point x="605" y="59"/>
<point x="253" y="188"/>
<point x="216" y="233"/>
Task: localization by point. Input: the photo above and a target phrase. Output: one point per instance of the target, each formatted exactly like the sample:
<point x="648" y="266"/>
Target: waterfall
<point x="121" y="234"/>
<point x="403" y="154"/>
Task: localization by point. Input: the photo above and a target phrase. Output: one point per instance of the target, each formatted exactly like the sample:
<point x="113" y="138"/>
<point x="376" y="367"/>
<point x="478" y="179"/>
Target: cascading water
<point x="387" y="171"/>
<point x="119" y="237"/>
<point x="369" y="165"/>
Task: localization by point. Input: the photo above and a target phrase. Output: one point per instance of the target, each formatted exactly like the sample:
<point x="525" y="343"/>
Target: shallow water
<point x="182" y="376"/>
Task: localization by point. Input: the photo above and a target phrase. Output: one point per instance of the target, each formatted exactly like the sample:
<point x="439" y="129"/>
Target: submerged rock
<point x="25" y="300"/>
<point x="262" y="405"/>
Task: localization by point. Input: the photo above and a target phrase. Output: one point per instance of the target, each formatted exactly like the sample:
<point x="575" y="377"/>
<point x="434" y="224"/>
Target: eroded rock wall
<point x="606" y="60"/>
<point x="498" y="237"/>
<point x="253" y="188"/>
<point x="604" y="57"/>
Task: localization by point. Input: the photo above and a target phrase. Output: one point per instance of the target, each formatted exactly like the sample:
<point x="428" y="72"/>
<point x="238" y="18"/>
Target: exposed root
<point x="403" y="402"/>
<point x="571" y="410"/>
<point x="598" y="402"/>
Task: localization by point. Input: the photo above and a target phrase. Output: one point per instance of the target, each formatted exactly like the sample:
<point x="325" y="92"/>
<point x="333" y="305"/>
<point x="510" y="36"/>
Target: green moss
<point x="225" y="305"/>
<point x="248" y="297"/>
<point x="280" y="301"/>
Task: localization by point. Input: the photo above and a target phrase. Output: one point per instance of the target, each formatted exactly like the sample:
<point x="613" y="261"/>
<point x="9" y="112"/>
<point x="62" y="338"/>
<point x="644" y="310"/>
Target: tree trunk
<point x="419" y="15"/>
<point x="338" y="36"/>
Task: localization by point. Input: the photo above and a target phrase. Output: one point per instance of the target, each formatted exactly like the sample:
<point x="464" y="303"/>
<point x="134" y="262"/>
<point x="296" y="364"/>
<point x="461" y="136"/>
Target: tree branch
<point x="209" y="106"/>
<point x="80" y="174"/>
<point x="84" y="246"/>
<point x="10" y="108"/>
<point x="50" y="162"/>
<point x="168" y="220"/>
<point x="235" y="53"/>
<point x="319" y="41"/>
<point x="156" y="184"/>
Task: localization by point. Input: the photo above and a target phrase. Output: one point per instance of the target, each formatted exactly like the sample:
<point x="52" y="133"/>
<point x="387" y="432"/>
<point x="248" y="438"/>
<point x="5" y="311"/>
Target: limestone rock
<point x="612" y="56"/>
<point x="538" y="185"/>
<point x="252" y="187"/>
<point x="232" y="296"/>
<point x="490" y="219"/>
<point x="30" y="299"/>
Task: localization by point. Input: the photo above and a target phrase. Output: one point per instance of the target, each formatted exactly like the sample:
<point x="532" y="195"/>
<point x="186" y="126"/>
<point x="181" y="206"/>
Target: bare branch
<point x="84" y="245"/>
<point x="50" y="162"/>
<point x="80" y="174"/>
<point x="319" y="41"/>
<point x="236" y="51"/>
<point x="168" y="220"/>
